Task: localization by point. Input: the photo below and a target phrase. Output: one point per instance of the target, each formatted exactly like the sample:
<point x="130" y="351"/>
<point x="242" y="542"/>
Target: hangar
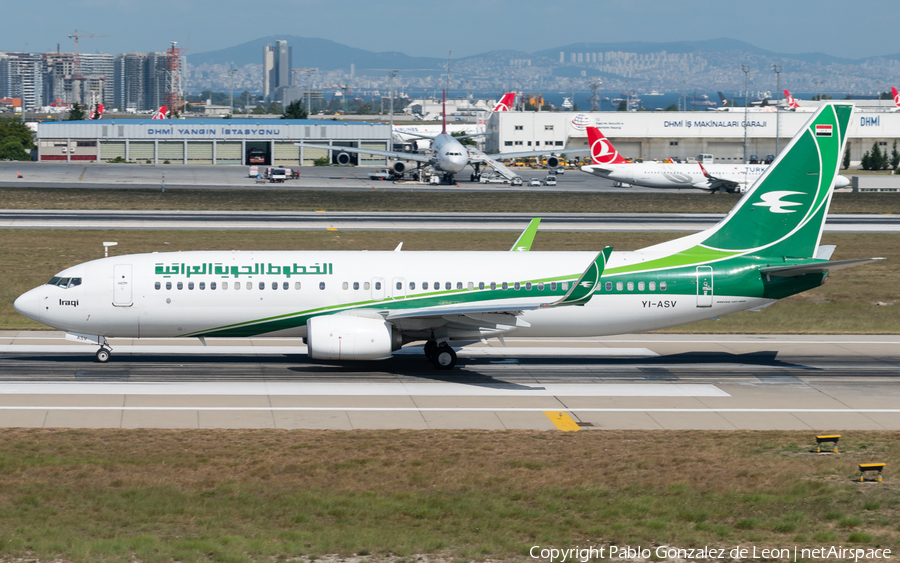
<point x="658" y="134"/>
<point x="216" y="141"/>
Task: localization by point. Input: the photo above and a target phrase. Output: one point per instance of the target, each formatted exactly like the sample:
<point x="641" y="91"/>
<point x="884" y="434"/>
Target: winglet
<point x="525" y="240"/>
<point x="582" y="290"/>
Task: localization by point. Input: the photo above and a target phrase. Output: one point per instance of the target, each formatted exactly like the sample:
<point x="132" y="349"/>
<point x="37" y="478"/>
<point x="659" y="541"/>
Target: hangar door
<point x="228" y="153"/>
<point x="726" y="153"/>
<point x="286" y="154"/>
<point x="110" y="150"/>
<point x="172" y="151"/>
<point x="310" y="155"/>
<point x="200" y="152"/>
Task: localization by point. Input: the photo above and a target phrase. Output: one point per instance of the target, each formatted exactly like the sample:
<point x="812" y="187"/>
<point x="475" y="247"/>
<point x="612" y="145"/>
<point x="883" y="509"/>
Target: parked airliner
<point x="731" y="178"/>
<point x="412" y="132"/>
<point x="358" y="305"/>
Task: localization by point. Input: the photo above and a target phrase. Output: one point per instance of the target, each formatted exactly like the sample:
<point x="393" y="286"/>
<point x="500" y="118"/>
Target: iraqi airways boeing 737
<point x="731" y="178"/>
<point x="351" y="305"/>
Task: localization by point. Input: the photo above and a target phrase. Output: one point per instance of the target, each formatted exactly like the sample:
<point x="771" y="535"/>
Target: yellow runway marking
<point x="82" y="173"/>
<point x="330" y="229"/>
<point x="562" y="421"/>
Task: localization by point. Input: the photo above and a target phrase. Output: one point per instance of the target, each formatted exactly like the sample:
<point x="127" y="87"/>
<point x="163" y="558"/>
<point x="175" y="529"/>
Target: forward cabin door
<point x="122" y="285"/>
<point x="704" y="286"/>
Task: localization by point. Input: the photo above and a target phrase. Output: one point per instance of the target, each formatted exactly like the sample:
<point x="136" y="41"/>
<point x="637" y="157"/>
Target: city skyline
<point x="780" y="26"/>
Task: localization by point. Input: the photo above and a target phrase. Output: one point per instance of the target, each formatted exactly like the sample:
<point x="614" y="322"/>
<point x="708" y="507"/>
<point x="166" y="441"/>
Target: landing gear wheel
<point x="444" y="357"/>
<point x="430" y="347"/>
<point x="102" y="355"/>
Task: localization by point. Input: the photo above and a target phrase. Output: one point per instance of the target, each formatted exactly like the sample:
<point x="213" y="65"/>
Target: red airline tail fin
<point x="896" y="96"/>
<point x="792" y="103"/>
<point x="602" y="151"/>
<point x="506" y="102"/>
<point x="160" y="113"/>
<point x="97" y="113"/>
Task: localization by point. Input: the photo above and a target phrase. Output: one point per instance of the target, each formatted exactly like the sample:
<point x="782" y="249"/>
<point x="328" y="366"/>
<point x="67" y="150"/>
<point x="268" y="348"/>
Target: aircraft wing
<point x="528" y="154"/>
<point x="718" y="183"/>
<point x="399" y="155"/>
<point x="813" y="268"/>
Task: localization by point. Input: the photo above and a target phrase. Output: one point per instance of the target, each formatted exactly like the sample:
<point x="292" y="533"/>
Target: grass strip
<point x="235" y="496"/>
<point x="852" y="301"/>
<point x="381" y="200"/>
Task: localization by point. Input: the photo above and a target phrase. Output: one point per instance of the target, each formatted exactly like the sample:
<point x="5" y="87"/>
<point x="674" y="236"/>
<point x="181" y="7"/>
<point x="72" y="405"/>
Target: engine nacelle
<point x="398" y="167"/>
<point x="351" y="337"/>
<point x="552" y="161"/>
<point x="343" y="159"/>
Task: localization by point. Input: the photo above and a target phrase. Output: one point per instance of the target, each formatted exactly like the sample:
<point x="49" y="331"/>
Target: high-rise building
<point x="99" y="67"/>
<point x="277" y="64"/>
<point x="140" y="81"/>
<point x="21" y="76"/>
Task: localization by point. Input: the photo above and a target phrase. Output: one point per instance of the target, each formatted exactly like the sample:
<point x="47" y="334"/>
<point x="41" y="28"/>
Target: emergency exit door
<point x="704" y="286"/>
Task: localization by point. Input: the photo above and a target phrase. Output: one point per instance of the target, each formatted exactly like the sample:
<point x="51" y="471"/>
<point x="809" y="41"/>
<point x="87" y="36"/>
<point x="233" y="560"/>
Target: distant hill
<point x="316" y="53"/>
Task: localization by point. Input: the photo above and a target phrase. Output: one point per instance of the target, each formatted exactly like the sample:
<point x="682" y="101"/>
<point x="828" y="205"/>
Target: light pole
<point x="746" y="70"/>
<point x="309" y="87"/>
<point x="777" y="70"/>
<point x="231" y="73"/>
<point x="393" y="74"/>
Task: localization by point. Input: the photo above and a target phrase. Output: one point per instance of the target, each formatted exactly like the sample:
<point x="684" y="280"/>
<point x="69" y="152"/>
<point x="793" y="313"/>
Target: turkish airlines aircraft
<point x="358" y="305"/>
<point x="794" y="105"/>
<point x="731" y="178"/>
<point x="97" y="113"/>
<point x="413" y="132"/>
<point x="160" y="113"/>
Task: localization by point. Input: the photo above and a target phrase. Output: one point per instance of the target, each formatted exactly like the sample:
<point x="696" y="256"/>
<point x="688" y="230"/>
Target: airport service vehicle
<point x="256" y="156"/>
<point x="731" y="178"/>
<point x="550" y="181"/>
<point x="383" y="174"/>
<point x="516" y="181"/>
<point x="359" y="305"/>
<point x="492" y="179"/>
<point x="534" y="182"/>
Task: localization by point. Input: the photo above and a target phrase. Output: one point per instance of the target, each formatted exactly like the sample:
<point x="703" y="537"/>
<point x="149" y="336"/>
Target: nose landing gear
<point x="103" y="354"/>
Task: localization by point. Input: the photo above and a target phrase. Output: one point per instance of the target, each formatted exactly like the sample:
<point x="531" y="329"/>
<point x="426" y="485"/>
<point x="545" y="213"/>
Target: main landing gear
<point x="441" y="355"/>
<point x="103" y="354"/>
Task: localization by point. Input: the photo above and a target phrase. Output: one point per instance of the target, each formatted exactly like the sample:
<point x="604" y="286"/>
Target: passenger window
<point x="157" y="285"/>
<point x="191" y="286"/>
<point x="552" y="286"/>
<point x="366" y="285"/>
<point x="608" y="286"/>
<point x="540" y="286"/>
<point x="237" y="285"/>
<point x="662" y="286"/>
<point x="652" y="286"/>
<point x="470" y="285"/>
<point x="321" y="285"/>
<point x="296" y="285"/>
<point x="285" y="286"/>
<point x="564" y="286"/>
<point x="355" y="285"/>
<point x="168" y="285"/>
<point x="459" y="285"/>
<point x="493" y="285"/>
<point x="424" y="285"/>
<point x="212" y="285"/>
<point x="377" y="285"/>
<point x="274" y="285"/>
<point x="180" y="285"/>
<point x="224" y="285"/>
<point x="528" y="286"/>
<point x="640" y="286"/>
<point x="447" y="285"/>
<point x="620" y="286"/>
<point x="516" y="286"/>
<point x="412" y="285"/>
<point x="399" y="285"/>
<point x="202" y="285"/>
<point x="345" y="285"/>
<point x="480" y="285"/>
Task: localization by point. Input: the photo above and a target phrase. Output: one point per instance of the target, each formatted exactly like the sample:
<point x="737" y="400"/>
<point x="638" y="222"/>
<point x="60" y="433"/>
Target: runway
<point x="398" y="221"/>
<point x="657" y="381"/>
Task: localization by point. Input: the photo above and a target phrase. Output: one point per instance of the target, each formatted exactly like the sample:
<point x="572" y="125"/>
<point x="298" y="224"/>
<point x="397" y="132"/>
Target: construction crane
<point x="76" y="36"/>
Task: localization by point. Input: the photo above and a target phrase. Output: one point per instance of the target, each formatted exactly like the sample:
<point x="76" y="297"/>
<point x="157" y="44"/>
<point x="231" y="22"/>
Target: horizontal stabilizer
<point x="813" y="268"/>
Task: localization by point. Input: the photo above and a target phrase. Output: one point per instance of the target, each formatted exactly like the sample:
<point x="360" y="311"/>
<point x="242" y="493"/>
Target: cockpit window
<point x="64" y="283"/>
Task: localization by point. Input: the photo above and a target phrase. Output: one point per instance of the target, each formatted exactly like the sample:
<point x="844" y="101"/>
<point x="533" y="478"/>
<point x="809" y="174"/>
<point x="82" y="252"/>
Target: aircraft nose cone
<point x="28" y="305"/>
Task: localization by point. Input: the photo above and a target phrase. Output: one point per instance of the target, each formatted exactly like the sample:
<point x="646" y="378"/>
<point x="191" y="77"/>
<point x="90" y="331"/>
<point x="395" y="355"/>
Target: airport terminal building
<point x="658" y="135"/>
<point x="267" y="142"/>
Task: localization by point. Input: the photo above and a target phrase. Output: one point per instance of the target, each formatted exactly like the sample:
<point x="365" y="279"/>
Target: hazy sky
<point x="430" y="28"/>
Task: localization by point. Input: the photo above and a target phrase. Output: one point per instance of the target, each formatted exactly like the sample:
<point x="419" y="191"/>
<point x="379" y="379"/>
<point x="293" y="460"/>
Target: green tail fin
<point x="783" y="214"/>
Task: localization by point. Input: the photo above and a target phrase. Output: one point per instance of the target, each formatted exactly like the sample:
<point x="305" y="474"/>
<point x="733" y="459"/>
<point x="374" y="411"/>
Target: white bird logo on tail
<point x="772" y="200"/>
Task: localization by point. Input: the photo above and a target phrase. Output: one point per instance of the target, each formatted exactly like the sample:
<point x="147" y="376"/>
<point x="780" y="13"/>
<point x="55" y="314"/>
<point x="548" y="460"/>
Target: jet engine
<point x="351" y="337"/>
<point x="552" y="161"/>
<point x="343" y="159"/>
<point x="399" y="167"/>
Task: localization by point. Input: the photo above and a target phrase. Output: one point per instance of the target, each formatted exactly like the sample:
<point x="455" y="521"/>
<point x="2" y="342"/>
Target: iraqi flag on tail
<point x="823" y="130"/>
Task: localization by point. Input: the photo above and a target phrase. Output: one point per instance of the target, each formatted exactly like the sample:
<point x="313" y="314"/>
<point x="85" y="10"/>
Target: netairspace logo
<point x="737" y="553"/>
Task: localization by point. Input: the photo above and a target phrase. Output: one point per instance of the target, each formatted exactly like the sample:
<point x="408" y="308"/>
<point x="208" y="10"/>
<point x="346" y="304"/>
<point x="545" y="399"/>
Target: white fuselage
<point x="676" y="176"/>
<point x="450" y="155"/>
<point x="209" y="293"/>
